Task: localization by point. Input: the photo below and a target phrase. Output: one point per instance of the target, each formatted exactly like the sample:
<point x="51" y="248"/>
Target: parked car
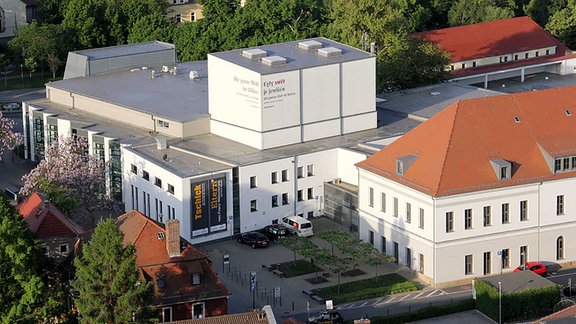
<point x="534" y="266"/>
<point x="327" y="317"/>
<point x="274" y="231"/>
<point x="254" y="239"/>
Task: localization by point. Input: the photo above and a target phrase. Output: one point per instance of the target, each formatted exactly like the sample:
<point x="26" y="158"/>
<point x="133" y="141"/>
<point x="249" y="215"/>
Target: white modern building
<point x="482" y="187"/>
<point x="225" y="151"/>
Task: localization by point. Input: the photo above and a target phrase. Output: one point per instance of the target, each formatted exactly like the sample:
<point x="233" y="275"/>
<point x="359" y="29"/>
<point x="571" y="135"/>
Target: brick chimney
<point x="173" y="238"/>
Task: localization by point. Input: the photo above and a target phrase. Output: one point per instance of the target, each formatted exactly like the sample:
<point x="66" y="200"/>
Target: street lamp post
<point x="499" y="302"/>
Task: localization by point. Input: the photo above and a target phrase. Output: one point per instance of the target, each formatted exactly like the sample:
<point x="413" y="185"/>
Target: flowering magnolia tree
<point x="71" y="179"/>
<point x="8" y="139"/>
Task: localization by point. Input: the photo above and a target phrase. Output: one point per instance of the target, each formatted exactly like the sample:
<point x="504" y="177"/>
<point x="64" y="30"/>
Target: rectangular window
<point x="487" y="215"/>
<point x="161" y="211"/>
<point x="383" y="247"/>
<point x="133" y="169"/>
<point x="178" y="18"/>
<point x="468" y="264"/>
<point x="505" y="258"/>
<point x="557" y="165"/>
<point x="253" y="182"/>
<point x="285" y="199"/>
<point x="449" y="222"/>
<point x="195" y="279"/>
<point x="300" y="172"/>
<point x="371" y="197"/>
<point x="310" y="169"/>
<point x="505" y="213"/>
<point x="166" y="314"/>
<point x="526" y="55"/>
<point x="310" y="193"/>
<point x="253" y="205"/>
<point x="395" y="207"/>
<point x="487" y="263"/>
<point x="284" y="175"/>
<point x="421" y="263"/>
<point x="516" y="57"/>
<point x="162" y="123"/>
<point x="371" y="237"/>
<point x="467" y="218"/>
<point x="537" y="53"/>
<point x="409" y="258"/>
<point x="547" y="52"/>
<point x="383" y="202"/>
<point x="524" y="210"/>
<point x="275" y="201"/>
<point x="192" y="16"/>
<point x="300" y="195"/>
<point x="560" y="205"/>
<point x="158" y="182"/>
<point x="523" y="254"/>
<point x="565" y="163"/>
<point x="408" y="213"/>
<point x="145" y="175"/>
<point x="170" y="188"/>
<point x="421" y="223"/>
<point x="63" y="249"/>
<point x="274" y="177"/>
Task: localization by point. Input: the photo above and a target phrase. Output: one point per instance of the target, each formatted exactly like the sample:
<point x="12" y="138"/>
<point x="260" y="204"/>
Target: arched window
<point x="560" y="248"/>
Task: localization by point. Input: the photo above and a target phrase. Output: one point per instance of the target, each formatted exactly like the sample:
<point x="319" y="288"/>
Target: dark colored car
<point x="327" y="317"/>
<point x="275" y="231"/>
<point x="569" y="291"/>
<point x="254" y="239"/>
<point x="534" y="266"/>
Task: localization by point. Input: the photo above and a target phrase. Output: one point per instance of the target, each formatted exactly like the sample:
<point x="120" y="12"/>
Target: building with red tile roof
<point x="59" y="233"/>
<point x="185" y="284"/>
<point x="501" y="49"/>
<point x="485" y="184"/>
<point x="257" y="316"/>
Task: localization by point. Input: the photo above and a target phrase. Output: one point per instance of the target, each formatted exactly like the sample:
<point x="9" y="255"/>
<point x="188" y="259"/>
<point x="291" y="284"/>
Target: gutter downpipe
<point x="434" y="242"/>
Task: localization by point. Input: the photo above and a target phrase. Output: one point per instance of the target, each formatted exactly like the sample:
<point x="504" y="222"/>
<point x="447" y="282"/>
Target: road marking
<point x="391" y="299"/>
<point x="432" y="293"/>
<point x="420" y="294"/>
<point x="404" y="297"/>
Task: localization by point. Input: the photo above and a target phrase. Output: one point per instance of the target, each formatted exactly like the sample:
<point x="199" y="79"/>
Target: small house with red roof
<point x="60" y="234"/>
<point x="185" y="284"/>
<point x="513" y="47"/>
<point x="483" y="186"/>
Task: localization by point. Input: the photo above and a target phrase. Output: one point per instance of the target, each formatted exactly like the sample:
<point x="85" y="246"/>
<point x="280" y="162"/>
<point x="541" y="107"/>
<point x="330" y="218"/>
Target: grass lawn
<point x="296" y="268"/>
<point x="367" y="288"/>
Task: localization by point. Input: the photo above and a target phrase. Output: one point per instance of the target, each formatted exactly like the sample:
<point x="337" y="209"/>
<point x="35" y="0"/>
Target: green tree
<point x="563" y="25"/>
<point x="109" y="286"/>
<point x="466" y="12"/>
<point x="151" y="27"/>
<point x="406" y="62"/>
<point x="27" y="294"/>
<point x="37" y="42"/>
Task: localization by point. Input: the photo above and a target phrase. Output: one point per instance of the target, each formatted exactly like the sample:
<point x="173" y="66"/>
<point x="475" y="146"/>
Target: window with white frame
<point x="421" y="263"/>
<point x="133" y="169"/>
<point x="166" y="314"/>
<point x="468" y="264"/>
<point x="524" y="210"/>
<point x="421" y="222"/>
<point x="468" y="218"/>
<point x="162" y="123"/>
<point x="395" y="207"/>
<point x="275" y="201"/>
<point x="253" y="182"/>
<point x="371" y="197"/>
<point x="300" y="195"/>
<point x="178" y="18"/>
<point x="300" y="172"/>
<point x="408" y="213"/>
<point x="274" y="177"/>
<point x="158" y="182"/>
<point x="192" y="16"/>
<point x="505" y="258"/>
<point x="310" y="193"/>
<point x="145" y="175"/>
<point x="449" y="222"/>
<point x="560" y="205"/>
<point x="560" y="248"/>
<point x="310" y="170"/>
<point x="285" y="199"/>
<point x="196" y="279"/>
<point x="63" y="249"/>
<point x="253" y="205"/>
<point x="170" y="188"/>
<point x="487" y="267"/>
<point x="284" y="175"/>
<point x="487" y="215"/>
<point x="371" y="237"/>
<point x="505" y="213"/>
<point x="383" y="202"/>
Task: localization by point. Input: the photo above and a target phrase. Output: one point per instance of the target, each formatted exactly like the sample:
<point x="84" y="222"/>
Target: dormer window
<point x="502" y="168"/>
<point x="195" y="279"/>
<point x="568" y="112"/>
<point x="516" y="119"/>
<point x="403" y="163"/>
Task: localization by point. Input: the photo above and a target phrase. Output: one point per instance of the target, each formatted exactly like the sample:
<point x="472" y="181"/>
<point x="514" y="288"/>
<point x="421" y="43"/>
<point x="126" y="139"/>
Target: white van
<point x="302" y="226"/>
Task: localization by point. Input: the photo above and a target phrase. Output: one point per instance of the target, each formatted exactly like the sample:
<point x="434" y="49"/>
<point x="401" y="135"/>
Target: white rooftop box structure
<point x="291" y="93"/>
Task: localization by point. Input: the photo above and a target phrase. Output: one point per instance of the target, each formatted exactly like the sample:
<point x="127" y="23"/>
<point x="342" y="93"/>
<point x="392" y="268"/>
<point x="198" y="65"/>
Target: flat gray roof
<point x="296" y="58"/>
<point x="123" y="50"/>
<point x="515" y="282"/>
<point x="175" y="97"/>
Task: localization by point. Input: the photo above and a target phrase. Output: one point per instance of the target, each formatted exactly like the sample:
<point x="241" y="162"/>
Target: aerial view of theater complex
<point x="455" y="181"/>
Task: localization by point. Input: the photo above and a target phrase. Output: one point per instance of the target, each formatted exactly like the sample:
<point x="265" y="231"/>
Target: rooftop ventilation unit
<point x="310" y="45"/>
<point x="274" y="60"/>
<point x="165" y="68"/>
<point x="329" y="52"/>
<point x="254" y="54"/>
<point x="193" y="75"/>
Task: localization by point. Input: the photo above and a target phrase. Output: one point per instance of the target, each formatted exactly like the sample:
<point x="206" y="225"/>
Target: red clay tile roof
<point x="255" y="317"/>
<point x="46" y="220"/>
<point x="153" y="260"/>
<point x="453" y="149"/>
<point x="494" y="38"/>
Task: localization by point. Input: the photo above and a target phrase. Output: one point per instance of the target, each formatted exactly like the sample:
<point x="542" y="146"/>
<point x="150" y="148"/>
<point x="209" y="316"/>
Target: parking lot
<point x="285" y="295"/>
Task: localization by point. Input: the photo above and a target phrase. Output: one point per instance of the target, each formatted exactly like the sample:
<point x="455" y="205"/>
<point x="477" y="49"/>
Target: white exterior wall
<point x="445" y="252"/>
<point x="320" y="89"/>
<point x="347" y="172"/>
<point x="359" y="90"/>
<point x="568" y="67"/>
<point x="181" y="200"/>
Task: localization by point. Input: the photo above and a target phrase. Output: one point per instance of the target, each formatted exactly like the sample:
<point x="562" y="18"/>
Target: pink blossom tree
<point x="8" y="139"/>
<point x="71" y="179"/>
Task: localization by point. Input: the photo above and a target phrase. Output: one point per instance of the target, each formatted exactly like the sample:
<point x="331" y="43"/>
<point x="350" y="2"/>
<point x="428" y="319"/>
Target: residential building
<point x="181" y="11"/>
<point x="501" y="49"/>
<point x="59" y="234"/>
<point x="490" y="179"/>
<point x="14" y="14"/>
<point x="185" y="284"/>
<point x="257" y="316"/>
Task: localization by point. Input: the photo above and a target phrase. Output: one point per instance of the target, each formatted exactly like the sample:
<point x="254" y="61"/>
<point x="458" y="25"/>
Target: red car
<point x="534" y="266"/>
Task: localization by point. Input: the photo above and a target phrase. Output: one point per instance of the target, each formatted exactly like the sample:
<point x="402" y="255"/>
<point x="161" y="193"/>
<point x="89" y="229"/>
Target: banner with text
<point x="208" y="206"/>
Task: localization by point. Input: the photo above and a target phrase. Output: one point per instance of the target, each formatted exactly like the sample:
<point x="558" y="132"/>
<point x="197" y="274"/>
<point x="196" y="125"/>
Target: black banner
<point x="218" y="204"/>
<point x="208" y="206"/>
